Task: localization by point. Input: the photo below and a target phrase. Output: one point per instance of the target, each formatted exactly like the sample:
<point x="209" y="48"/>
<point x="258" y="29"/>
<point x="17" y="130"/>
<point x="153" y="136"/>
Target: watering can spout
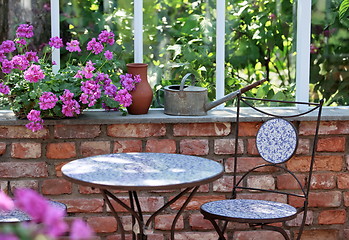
<point x="230" y="96"/>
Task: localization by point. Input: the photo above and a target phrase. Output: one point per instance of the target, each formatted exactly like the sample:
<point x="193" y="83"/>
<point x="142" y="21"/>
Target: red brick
<point x="343" y="181"/>
<point x="194" y="147"/>
<point x="94" y="148"/>
<point x="26" y="150"/>
<point x="197" y="222"/>
<point x="337" y="216"/>
<point x="227" y="146"/>
<point x="303" y="146"/>
<point x="201" y="129"/>
<point x="223" y="184"/>
<point x="262" y="182"/>
<point x="319" y="199"/>
<point x="102" y="224"/>
<point x="88" y="190"/>
<point x="260" y="235"/>
<point x="32" y="184"/>
<point x="263" y="196"/>
<point x="196" y="201"/>
<point x="77" y="131"/>
<point x="298" y="220"/>
<point x="2" y="148"/>
<point x="125" y="146"/>
<point x="56" y="187"/>
<point x="326" y="127"/>
<point x="323" y="181"/>
<point x="23" y="169"/>
<point x="149" y="204"/>
<point x="58" y="168"/>
<point x="22" y="132"/>
<point x="82" y="205"/>
<point x="161" y="146"/>
<point x="245" y="164"/>
<point x="62" y="150"/>
<point x="286" y="181"/>
<point x="164" y="222"/>
<point x="331" y="144"/>
<point x="322" y="163"/>
<point x="249" y="129"/>
<point x="140" y="130"/>
<point x="196" y="235"/>
<point x="251" y="147"/>
<point x="321" y="234"/>
<point x="346" y="198"/>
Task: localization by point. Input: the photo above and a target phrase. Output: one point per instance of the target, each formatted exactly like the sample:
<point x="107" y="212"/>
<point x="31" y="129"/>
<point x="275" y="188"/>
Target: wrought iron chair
<point x="276" y="142"/>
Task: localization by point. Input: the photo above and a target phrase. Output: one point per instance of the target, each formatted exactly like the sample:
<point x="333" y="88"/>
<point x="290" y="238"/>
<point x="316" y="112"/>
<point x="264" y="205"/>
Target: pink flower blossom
<point x="35" y="126"/>
<point x="80" y="230"/>
<point x="21" y="42"/>
<point x="108" y="55"/>
<point x="91" y="92"/>
<point x="56" y="42"/>
<point x="73" y="46"/>
<point x="34" y="73"/>
<point x="8" y="46"/>
<point x="4" y="89"/>
<point x="8" y="236"/>
<point x="47" y="100"/>
<point x="128" y="81"/>
<point x="2" y="56"/>
<point x="70" y="106"/>
<point x="20" y="62"/>
<point x="106" y="37"/>
<point x="94" y="46"/>
<point x="36" y="121"/>
<point x="6" y="203"/>
<point x="32" y="203"/>
<point x="25" y="31"/>
<point x="31" y="56"/>
<point x="7" y="66"/>
<point x="53" y="221"/>
<point x="123" y="97"/>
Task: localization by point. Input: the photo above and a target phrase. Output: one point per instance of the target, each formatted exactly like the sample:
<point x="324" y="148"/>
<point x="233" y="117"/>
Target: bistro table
<point x="141" y="172"/>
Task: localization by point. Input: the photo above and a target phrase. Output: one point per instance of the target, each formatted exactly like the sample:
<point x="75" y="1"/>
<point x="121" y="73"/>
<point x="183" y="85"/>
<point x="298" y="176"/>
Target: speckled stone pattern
<point x="17" y="215"/>
<point x="249" y="209"/>
<point x="277" y="140"/>
<point x="13" y="216"/>
<point x="142" y="170"/>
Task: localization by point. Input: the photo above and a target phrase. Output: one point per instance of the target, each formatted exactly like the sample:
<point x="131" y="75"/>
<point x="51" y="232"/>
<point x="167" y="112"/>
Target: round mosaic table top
<point x="142" y="171"/>
<point x="277" y="140"/>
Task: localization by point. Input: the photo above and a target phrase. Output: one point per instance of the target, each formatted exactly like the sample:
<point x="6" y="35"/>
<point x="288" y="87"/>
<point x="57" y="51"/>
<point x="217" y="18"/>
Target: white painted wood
<point x="303" y="50"/>
<point x="220" y="49"/>
<point x="138" y="31"/>
<point x="55" y="32"/>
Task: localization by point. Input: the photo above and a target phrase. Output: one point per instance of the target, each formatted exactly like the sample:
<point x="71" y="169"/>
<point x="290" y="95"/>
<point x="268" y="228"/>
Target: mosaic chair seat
<point x="17" y="215"/>
<point x="276" y="142"/>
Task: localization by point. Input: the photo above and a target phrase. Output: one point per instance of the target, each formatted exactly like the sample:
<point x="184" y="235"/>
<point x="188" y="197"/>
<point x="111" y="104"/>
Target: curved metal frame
<point x="305" y="189"/>
<point x="137" y="215"/>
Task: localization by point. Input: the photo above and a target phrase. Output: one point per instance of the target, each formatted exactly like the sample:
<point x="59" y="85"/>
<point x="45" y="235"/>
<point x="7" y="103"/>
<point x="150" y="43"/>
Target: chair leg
<point x="218" y="229"/>
<point x="301" y="228"/>
<point x="277" y="229"/>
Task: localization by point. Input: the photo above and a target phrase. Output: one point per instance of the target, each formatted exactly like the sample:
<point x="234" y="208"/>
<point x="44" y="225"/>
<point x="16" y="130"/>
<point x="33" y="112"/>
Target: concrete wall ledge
<point x="157" y="116"/>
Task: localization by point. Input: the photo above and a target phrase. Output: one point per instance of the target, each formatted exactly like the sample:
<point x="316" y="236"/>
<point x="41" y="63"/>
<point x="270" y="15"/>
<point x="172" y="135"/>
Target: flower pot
<point x="142" y="96"/>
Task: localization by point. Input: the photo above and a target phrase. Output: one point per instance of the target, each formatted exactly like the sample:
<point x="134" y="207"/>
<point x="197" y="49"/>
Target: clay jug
<point x="142" y="96"/>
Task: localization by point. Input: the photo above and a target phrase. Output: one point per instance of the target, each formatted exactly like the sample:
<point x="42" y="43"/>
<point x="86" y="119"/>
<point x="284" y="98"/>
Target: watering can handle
<point x="181" y="87"/>
<point x="253" y="85"/>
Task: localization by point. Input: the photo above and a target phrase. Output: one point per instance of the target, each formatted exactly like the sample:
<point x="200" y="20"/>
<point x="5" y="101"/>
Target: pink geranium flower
<point x="34" y="73"/>
<point x="73" y="46"/>
<point x="80" y="230"/>
<point x="6" y="203"/>
<point x="56" y="42"/>
<point x="47" y="100"/>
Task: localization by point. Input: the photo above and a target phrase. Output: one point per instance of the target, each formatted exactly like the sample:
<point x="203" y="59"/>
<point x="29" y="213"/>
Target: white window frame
<point x="303" y="43"/>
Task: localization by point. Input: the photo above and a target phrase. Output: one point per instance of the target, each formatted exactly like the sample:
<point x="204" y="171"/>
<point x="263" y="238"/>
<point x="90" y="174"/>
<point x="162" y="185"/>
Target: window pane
<point x="329" y="54"/>
<point x="260" y="44"/>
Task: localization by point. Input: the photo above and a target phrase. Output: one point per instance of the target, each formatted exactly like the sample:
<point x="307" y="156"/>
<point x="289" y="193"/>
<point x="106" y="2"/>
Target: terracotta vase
<point x="142" y="96"/>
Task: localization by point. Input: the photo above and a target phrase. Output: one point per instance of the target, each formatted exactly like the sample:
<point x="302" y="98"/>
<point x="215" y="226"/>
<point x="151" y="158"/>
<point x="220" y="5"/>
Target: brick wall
<point x="34" y="160"/>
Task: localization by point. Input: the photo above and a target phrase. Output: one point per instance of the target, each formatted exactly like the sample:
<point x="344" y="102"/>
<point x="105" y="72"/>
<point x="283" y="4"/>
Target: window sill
<point x="158" y="116"/>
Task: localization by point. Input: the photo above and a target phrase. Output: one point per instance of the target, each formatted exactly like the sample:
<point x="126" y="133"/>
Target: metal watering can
<point x="184" y="100"/>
